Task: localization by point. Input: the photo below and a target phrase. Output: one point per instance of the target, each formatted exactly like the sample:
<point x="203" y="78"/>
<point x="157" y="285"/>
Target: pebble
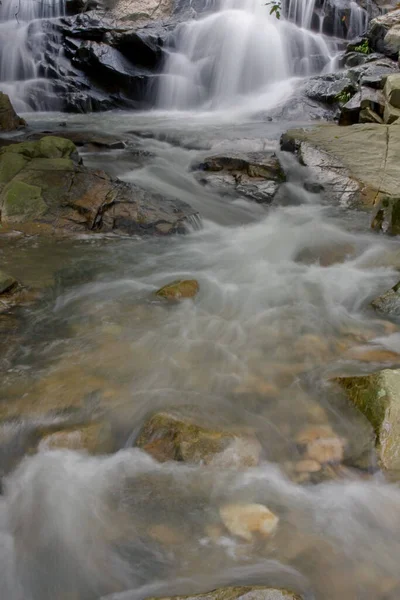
<point x="244" y="520"/>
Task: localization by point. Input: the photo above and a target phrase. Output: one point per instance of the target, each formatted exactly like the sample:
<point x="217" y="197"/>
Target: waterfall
<point x="23" y="42"/>
<point x="240" y="49"/>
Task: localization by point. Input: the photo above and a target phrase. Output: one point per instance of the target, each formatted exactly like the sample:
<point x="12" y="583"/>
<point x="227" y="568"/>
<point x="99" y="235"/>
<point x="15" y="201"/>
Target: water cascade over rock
<point x="240" y="49"/>
<point x="22" y="60"/>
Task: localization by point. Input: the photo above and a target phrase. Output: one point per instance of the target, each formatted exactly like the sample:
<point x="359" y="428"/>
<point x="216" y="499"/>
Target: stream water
<point x="283" y="308"/>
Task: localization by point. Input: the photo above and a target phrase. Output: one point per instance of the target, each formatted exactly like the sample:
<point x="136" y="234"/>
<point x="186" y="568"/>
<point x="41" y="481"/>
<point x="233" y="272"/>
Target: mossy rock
<point x="9" y="120"/>
<point x="95" y="438"/>
<point x="179" y="289"/>
<point x="22" y="202"/>
<point x="377" y="396"/>
<point x="240" y="593"/>
<point x="387" y="216"/>
<point x="47" y="147"/>
<point x="10" y="165"/>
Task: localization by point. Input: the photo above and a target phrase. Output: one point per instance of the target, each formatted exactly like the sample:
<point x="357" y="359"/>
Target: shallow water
<point x="283" y="306"/>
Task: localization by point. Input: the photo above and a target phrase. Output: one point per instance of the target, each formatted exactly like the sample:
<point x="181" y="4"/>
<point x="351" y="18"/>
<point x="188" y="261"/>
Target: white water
<point x="22" y="44"/>
<point x="240" y="50"/>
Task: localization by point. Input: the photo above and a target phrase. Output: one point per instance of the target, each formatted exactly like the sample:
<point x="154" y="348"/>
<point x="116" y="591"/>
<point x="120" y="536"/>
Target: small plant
<point x="343" y="97"/>
<point x="276" y="8"/>
<point x="363" y="48"/>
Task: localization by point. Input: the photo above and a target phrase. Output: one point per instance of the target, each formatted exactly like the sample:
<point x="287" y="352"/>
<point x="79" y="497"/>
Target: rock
<point x="255" y="175"/>
<point x="367" y="115"/>
<point x="329" y="88"/>
<point x="387" y="216"/>
<point x="171" y="436"/>
<point x="313" y="432"/>
<point x="245" y="520"/>
<point x="139" y="10"/>
<point x="387" y="303"/>
<point x="43" y="183"/>
<point x="377" y="397"/>
<point x="366" y="98"/>
<point x="165" y="534"/>
<point x="380" y="35"/>
<point x="356" y="167"/>
<point x="181" y="288"/>
<point x="240" y="593"/>
<point x="392" y="90"/>
<point x="6" y="282"/>
<point x="95" y="438"/>
<point x="9" y="120"/>
<point x="326" y="450"/>
<point x="307" y="466"/>
<point x="390" y="114"/>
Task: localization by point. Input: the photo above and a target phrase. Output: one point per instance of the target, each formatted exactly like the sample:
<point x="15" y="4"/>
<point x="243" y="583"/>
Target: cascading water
<point x="241" y="49"/>
<point x="23" y="40"/>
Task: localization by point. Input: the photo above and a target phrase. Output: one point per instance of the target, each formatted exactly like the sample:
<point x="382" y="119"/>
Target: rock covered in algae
<point x="378" y="396"/>
<point x="170" y="436"/>
<point x="240" y="593"/>
<point x="6" y="282"/>
<point x="179" y="289"/>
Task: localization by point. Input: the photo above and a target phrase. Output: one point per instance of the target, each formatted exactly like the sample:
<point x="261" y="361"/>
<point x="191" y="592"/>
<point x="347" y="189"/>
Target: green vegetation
<point x="276" y="8"/>
<point x="343" y="97"/>
<point x="363" y="48"/>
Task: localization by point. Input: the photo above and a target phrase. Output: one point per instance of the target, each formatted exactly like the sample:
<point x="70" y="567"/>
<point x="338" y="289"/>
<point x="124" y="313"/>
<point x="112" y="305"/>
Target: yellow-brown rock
<point x="179" y="289"/>
<point x="245" y="520"/>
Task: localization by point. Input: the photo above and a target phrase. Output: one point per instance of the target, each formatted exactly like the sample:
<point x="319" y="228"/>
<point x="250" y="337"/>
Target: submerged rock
<point x="43" y="182"/>
<point x="171" y="436"/>
<point x="9" y="120"/>
<point x="6" y="282"/>
<point x="240" y="593"/>
<point x="389" y="302"/>
<point x="387" y="216"/>
<point x="245" y="520"/>
<point x="177" y="290"/>
<point x="94" y="438"/>
<point x="378" y="397"/>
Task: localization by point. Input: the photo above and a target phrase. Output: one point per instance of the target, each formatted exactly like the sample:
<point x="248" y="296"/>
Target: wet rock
<point x="9" y="120"/>
<point x="94" y="438"/>
<point x="329" y="88"/>
<point x="366" y="98"/>
<point x="171" y="436"/>
<point x="377" y="397"/>
<point x="142" y="10"/>
<point x="387" y="216"/>
<point x="245" y="520"/>
<point x="307" y="466"/>
<point x="165" y="534"/>
<point x="177" y="290"/>
<point x="6" y="282"/>
<point x="356" y="167"/>
<point x="368" y="115"/>
<point x="44" y="183"/>
<point x="321" y="445"/>
<point x="255" y="175"/>
<point x="389" y="302"/>
<point x="240" y="593"/>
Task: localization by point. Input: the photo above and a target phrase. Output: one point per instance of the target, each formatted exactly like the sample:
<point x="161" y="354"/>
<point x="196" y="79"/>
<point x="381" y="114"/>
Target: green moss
<point x="47" y="147"/>
<point x="10" y="165"/>
<point x="51" y="164"/>
<point x="22" y="202"/>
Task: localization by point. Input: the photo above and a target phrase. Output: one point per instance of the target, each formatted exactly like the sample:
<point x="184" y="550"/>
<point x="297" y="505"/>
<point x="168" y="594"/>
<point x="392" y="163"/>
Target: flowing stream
<point x="283" y="308"/>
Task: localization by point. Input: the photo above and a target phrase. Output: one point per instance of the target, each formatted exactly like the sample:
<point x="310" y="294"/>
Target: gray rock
<point x="9" y="120"/>
<point x="327" y="88"/>
<point x="379" y="29"/>
<point x="240" y="593"/>
<point x="392" y="90"/>
<point x="390" y="114"/>
<point x="365" y="98"/>
<point x="389" y="302"/>
<point x="367" y="115"/>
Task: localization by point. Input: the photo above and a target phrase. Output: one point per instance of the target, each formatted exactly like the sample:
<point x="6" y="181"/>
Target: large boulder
<point x="378" y="397"/>
<point x="142" y="10"/>
<point x="384" y="33"/>
<point x="240" y="593"/>
<point x="254" y="175"/>
<point x="174" y="435"/>
<point x="357" y="166"/>
<point x="43" y="183"/>
<point x="9" y="120"/>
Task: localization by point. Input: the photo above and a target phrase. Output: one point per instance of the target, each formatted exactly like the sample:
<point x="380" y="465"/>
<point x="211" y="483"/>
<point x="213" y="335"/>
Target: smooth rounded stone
<point x="6" y="282"/>
<point x="9" y="120"/>
<point x="94" y="438"/>
<point x="307" y="466"/>
<point x="326" y="450"/>
<point x="43" y="183"/>
<point x="179" y="289"/>
<point x="240" y="593"/>
<point x="245" y="520"/>
<point x="173" y="436"/>
<point x="377" y="396"/>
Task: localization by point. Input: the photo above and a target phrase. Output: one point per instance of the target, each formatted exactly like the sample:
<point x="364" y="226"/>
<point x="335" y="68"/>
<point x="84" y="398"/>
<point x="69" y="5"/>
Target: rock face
<point x="356" y="166"/>
<point x="170" y="436"/>
<point x="255" y="175"/>
<point x="378" y="397"/>
<point x="9" y="120"/>
<point x="240" y="593"/>
<point x="44" y="183"/>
